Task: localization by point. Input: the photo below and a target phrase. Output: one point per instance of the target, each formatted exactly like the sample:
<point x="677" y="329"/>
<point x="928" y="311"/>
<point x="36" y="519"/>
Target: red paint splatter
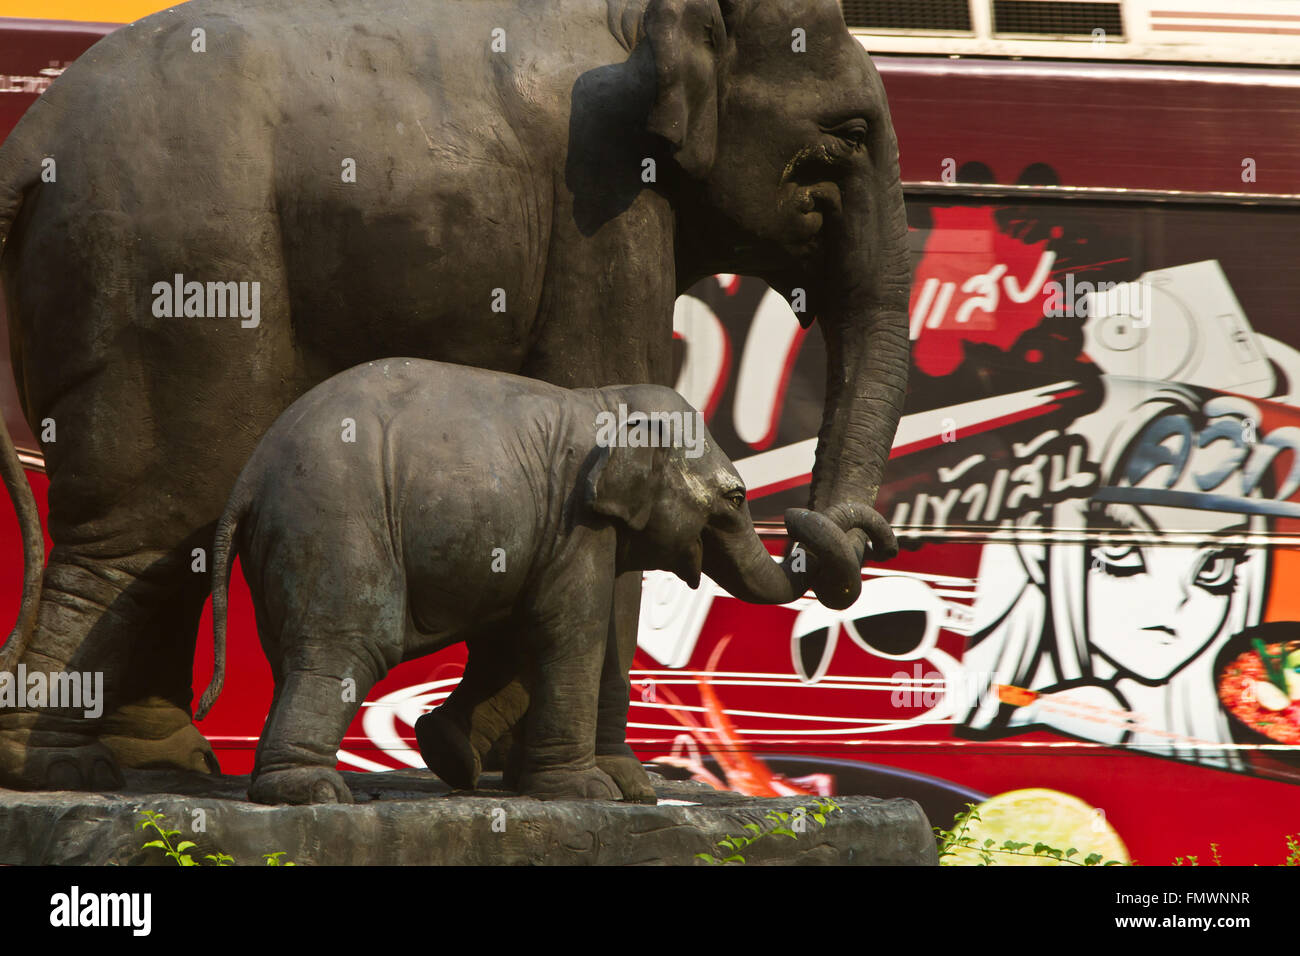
<point x="966" y="242"/>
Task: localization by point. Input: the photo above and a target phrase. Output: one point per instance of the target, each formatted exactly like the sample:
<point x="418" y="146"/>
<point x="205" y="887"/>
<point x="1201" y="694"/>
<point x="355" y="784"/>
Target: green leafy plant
<point x="1193" y="861"/>
<point x="178" y="851"/>
<point x="158" y="823"/>
<point x="729" y="847"/>
<point x="1292" y="854"/>
<point x="952" y="842"/>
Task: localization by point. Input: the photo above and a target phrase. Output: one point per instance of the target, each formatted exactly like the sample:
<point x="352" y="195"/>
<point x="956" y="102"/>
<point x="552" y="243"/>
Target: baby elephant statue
<point x="405" y="505"/>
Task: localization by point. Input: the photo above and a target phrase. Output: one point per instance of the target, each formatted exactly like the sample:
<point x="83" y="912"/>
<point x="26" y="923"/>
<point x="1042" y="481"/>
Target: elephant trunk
<point x="742" y="566"/>
<point x="863" y="314"/>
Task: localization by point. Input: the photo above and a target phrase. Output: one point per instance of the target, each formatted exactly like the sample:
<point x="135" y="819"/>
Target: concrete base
<point x="409" y="817"/>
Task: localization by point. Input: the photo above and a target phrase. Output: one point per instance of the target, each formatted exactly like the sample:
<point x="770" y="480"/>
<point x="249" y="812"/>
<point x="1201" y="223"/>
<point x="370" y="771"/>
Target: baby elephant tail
<point x="222" y="558"/>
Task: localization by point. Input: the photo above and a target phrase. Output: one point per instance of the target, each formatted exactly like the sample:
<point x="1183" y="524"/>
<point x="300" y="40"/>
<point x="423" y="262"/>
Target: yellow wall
<point x="93" y="11"/>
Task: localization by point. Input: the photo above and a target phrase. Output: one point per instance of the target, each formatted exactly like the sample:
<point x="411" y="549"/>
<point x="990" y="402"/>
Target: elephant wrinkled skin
<point x="467" y="182"/>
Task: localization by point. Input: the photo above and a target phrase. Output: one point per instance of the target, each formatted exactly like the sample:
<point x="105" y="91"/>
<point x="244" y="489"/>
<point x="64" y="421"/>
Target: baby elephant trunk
<point x="742" y="566"/>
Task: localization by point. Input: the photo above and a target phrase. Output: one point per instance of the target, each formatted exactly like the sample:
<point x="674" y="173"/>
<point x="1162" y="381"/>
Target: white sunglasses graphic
<point x="896" y="617"/>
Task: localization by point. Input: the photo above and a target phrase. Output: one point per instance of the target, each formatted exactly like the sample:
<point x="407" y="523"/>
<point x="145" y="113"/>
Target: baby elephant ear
<point x="622" y="484"/>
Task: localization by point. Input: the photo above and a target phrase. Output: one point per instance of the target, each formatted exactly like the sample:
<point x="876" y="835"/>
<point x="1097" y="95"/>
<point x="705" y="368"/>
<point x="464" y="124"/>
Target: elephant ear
<point x="623" y="482"/>
<point x="684" y="37"/>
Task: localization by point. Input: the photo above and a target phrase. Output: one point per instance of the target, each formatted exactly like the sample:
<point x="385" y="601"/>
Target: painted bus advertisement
<point x="1096" y="488"/>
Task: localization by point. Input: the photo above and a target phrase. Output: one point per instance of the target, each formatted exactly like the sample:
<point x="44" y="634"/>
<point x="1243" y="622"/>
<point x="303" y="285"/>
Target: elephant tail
<point x="222" y="558"/>
<point x="29" y="521"/>
<point x="20" y="172"/>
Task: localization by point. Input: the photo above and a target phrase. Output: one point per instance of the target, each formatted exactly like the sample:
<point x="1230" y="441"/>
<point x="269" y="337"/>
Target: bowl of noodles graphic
<point x="1258" y="683"/>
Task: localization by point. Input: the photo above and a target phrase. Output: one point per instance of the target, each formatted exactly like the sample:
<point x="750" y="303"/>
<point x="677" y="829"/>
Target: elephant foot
<point x="591" y="784"/>
<point x="62" y="758"/>
<point x="299" y="786"/>
<point x="155" y="734"/>
<point x="447" y="751"/>
<point x="629" y="776"/>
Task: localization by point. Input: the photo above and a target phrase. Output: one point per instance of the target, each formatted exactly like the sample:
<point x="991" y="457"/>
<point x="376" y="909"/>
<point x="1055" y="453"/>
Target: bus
<point x="1096" y="480"/>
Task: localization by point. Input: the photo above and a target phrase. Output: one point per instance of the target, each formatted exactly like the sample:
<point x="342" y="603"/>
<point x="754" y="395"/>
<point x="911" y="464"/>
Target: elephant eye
<point x="854" y="133"/>
<point x="737" y="498"/>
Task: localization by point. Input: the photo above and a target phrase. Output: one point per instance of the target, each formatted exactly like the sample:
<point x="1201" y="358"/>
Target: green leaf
<point x="1071" y="851"/>
<point x="753" y="828"/>
<point x="734" y="859"/>
<point x="820" y="818"/>
<point x="784" y="831"/>
<point x="155" y="843"/>
<point x="1092" y="859"/>
<point x="185" y="845"/>
<point x="1274" y="667"/>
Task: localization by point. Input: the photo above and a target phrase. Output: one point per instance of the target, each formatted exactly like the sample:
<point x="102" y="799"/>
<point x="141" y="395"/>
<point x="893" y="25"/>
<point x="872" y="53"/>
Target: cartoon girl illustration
<point x="1116" y="628"/>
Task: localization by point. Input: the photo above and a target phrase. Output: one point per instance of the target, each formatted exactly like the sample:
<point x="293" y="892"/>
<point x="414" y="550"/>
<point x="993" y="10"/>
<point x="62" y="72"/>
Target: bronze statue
<point x="252" y="196"/>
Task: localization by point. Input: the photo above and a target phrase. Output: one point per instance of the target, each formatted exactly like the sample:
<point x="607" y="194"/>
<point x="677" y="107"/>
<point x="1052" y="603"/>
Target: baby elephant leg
<point x="559" y="753"/>
<point x="455" y="738"/>
<point x="322" y="688"/>
<point x="613" y="755"/>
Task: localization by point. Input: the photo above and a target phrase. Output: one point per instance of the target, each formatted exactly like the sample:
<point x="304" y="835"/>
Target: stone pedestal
<point x="411" y="818"/>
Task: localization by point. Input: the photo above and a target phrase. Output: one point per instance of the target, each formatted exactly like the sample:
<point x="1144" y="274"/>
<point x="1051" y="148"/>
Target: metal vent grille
<point x="1057" y="18"/>
<point x="943" y="16"/>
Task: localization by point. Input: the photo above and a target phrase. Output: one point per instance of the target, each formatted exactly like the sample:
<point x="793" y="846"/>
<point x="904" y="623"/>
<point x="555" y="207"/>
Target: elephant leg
<point x="126" y="624"/>
<point x="508" y="754"/>
<point x="145" y="423"/>
<point x="491" y="697"/>
<point x="613" y="755"/>
<point x="312" y="709"/>
<point x="559" y="755"/>
<point x="480" y="726"/>
<point x="328" y="641"/>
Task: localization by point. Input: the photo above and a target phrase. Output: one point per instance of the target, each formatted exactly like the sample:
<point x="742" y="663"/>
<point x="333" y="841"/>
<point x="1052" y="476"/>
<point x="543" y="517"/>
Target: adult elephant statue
<point x="223" y="204"/>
